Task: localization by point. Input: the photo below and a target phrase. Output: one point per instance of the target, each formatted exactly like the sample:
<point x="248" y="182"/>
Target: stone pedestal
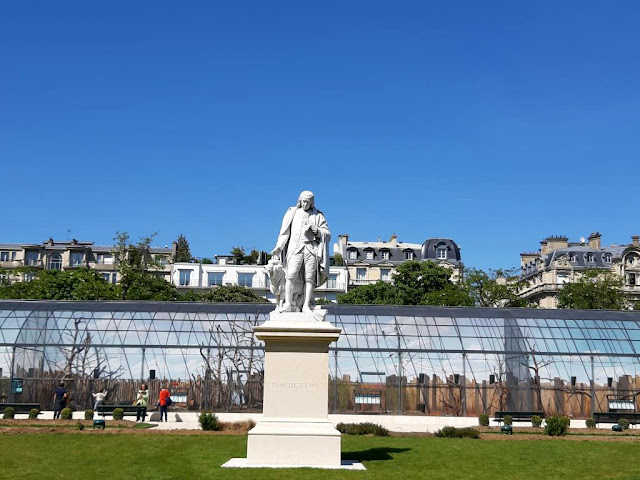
<point x="295" y="428"/>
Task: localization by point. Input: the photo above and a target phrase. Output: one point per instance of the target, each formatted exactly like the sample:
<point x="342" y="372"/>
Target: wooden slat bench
<point x="517" y="416"/>
<point x="128" y="410"/>
<point x="613" y="417"/>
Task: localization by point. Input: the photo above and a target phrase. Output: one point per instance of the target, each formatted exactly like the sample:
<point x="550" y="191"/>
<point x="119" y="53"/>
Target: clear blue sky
<point x="492" y="123"/>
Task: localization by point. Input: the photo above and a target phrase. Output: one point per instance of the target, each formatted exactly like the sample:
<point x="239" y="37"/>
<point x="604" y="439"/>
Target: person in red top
<point x="164" y="400"/>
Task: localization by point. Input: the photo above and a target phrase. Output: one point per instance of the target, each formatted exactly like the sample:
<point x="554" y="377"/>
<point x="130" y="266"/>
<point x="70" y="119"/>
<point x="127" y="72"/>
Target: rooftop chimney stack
<point x="594" y="240"/>
<point x="635" y="240"/>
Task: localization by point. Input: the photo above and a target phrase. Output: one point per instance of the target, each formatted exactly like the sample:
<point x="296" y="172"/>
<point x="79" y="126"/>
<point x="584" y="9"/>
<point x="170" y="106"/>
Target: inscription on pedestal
<point x="294" y="385"/>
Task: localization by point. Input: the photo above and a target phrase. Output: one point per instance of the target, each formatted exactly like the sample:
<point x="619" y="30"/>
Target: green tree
<point x="380" y="293"/>
<point x="136" y="267"/>
<point x="230" y="294"/>
<point x="414" y="283"/>
<point x="241" y="258"/>
<point x="183" y="252"/>
<point x="77" y="284"/>
<point x="595" y="289"/>
<point x="338" y="260"/>
<point x="495" y="288"/>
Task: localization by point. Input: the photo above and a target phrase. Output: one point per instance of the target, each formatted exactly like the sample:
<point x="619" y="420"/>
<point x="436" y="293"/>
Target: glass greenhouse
<point x="389" y="359"/>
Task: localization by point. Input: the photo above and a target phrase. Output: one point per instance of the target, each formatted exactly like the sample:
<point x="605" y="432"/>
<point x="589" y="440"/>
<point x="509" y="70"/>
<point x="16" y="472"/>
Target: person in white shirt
<point x="99" y="398"/>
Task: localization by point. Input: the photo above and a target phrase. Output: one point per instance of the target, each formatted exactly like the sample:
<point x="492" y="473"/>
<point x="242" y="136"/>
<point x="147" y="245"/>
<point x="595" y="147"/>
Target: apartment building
<point x="370" y="262"/>
<point x="559" y="261"/>
<point x="56" y="255"/>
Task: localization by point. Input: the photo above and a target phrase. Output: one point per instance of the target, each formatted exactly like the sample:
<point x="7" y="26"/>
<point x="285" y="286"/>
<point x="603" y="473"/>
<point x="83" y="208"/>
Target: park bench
<point x="613" y="417"/>
<point x="127" y="410"/>
<point x="517" y="416"/>
<point x="20" y="407"/>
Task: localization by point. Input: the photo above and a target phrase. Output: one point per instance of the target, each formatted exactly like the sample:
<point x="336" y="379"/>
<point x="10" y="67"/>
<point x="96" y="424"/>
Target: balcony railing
<point x="356" y="281"/>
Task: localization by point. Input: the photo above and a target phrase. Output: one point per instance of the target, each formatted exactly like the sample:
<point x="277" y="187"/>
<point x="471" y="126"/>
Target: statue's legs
<point x="308" y="293"/>
<point x="288" y="296"/>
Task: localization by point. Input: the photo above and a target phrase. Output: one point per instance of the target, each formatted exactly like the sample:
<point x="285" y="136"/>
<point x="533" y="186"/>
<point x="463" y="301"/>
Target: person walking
<point x="59" y="400"/>
<point x="99" y="398"/>
<point x="142" y="400"/>
<point x="164" y="400"/>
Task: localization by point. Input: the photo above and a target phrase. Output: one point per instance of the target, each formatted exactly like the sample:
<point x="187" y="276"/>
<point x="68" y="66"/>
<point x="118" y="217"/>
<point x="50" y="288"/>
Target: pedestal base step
<point x="345" y="465"/>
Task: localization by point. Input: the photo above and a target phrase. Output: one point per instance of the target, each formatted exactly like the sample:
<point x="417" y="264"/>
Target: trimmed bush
<point x="9" y="413"/>
<point x="88" y="414"/>
<point x="366" y="428"/>
<point x="80" y="426"/>
<point x="624" y="423"/>
<point x="453" y="432"/>
<point x="590" y="422"/>
<point x="557" y="425"/>
<point x="66" y="414"/>
<point x="118" y="414"/>
<point x="33" y="414"/>
<point x="483" y="420"/>
<point x="209" y="421"/>
<point x="536" y="421"/>
<point x="508" y="420"/>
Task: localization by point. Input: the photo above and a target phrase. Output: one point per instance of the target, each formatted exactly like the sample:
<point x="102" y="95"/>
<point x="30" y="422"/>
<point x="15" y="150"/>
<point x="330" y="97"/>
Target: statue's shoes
<point x="286" y="308"/>
<point x="306" y="310"/>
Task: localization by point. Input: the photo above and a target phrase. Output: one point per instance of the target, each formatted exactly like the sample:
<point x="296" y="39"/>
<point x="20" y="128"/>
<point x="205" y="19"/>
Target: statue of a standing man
<point x="303" y="248"/>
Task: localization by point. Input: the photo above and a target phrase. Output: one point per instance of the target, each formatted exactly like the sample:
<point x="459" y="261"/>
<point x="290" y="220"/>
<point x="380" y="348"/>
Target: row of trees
<point x="426" y="283"/>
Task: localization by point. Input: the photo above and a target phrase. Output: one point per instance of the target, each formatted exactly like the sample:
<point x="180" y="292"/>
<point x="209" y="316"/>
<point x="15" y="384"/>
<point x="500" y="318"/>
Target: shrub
<point x="590" y="422"/>
<point x="66" y="414"/>
<point x="118" y="414"/>
<point x="508" y="420"/>
<point x="9" y="413"/>
<point x="366" y="428"/>
<point x="536" y="421"/>
<point x="483" y="420"/>
<point x="88" y="414"/>
<point x="453" y="432"/>
<point x="209" y="421"/>
<point x="624" y="423"/>
<point x="80" y="426"/>
<point x="557" y="425"/>
<point x="33" y="414"/>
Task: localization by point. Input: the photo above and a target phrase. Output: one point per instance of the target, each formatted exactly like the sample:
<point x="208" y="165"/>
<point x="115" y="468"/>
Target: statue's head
<point x="306" y="200"/>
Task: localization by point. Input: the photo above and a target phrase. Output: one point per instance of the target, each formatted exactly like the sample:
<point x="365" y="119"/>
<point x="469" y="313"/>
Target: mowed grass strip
<point x="113" y="456"/>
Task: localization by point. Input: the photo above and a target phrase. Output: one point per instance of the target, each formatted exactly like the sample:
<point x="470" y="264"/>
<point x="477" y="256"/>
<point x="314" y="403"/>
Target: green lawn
<point x="113" y="456"/>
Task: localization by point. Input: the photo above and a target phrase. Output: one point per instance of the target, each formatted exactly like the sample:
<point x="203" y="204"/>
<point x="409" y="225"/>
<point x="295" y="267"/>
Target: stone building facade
<point x="559" y="261"/>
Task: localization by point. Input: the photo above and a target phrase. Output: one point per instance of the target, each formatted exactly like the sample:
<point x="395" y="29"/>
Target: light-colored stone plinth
<point x="295" y="428"/>
<point x="345" y="465"/>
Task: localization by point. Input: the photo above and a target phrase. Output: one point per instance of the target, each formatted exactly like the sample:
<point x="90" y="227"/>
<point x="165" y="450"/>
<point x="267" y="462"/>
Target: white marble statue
<point x="302" y="250"/>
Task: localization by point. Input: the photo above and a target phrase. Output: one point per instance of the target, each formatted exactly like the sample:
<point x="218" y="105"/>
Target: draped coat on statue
<point x="321" y="243"/>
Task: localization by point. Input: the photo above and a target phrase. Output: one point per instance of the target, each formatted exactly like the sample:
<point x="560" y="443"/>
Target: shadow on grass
<point x="380" y="453"/>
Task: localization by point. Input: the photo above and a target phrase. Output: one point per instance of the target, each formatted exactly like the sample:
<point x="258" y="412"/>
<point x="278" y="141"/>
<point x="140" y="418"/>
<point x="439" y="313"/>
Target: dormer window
<point x="385" y="254"/>
<point x="369" y="254"/>
<point x="606" y="258"/>
<point x="589" y="257"/>
<point x="353" y="254"/>
<point x="572" y="257"/>
<point x="441" y="253"/>
<point x="408" y="255"/>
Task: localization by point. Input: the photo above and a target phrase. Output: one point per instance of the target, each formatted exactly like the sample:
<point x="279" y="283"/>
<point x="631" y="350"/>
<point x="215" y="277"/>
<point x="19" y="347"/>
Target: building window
<point x="631" y="261"/>
<point x="29" y="277"/>
<point x="385" y="255"/>
<point x="245" y="279"/>
<point x="385" y="274"/>
<point x="76" y="259"/>
<point x="185" y="278"/>
<point x="106" y="276"/>
<point x="589" y="257"/>
<point x="161" y="260"/>
<point x="572" y="257"/>
<point x="408" y="255"/>
<point x="563" y="277"/>
<point x="104" y="258"/>
<point x="441" y="253"/>
<point x="607" y="258"/>
<point x="4" y="256"/>
<point x="55" y="262"/>
<point x="361" y="273"/>
<point x="215" y="278"/>
<point x="369" y="254"/>
<point x="353" y="254"/>
<point x="631" y="279"/>
<point x="114" y="278"/>
<point x="332" y="282"/>
<point x="31" y="258"/>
